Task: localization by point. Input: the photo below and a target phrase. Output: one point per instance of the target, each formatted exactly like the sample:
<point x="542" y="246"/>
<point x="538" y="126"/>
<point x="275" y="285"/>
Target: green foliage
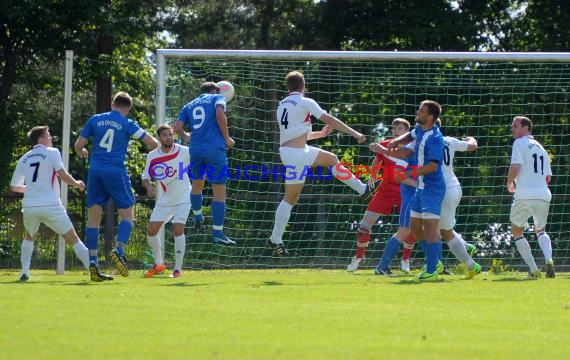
<point x="498" y="267"/>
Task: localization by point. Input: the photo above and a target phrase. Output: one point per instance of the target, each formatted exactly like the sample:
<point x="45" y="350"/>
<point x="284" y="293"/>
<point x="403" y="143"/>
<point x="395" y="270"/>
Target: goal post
<point x="480" y="94"/>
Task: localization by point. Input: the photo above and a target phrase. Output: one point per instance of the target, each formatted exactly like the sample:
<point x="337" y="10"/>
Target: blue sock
<point x="218" y="215"/>
<point x="196" y="201"/>
<point x="92" y="243"/>
<point x="392" y="247"/>
<point x="432" y="256"/>
<point x="124" y="231"/>
<point x="423" y="246"/>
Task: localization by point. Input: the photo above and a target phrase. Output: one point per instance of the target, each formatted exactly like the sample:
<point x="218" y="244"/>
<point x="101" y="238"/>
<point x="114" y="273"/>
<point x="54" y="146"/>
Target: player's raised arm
<point x="223" y="124"/>
<point x="150" y="142"/>
<point x="400" y="140"/>
<point x="471" y="143"/>
<point x="324" y="132"/>
<point x="336" y="124"/>
<point x="179" y="130"/>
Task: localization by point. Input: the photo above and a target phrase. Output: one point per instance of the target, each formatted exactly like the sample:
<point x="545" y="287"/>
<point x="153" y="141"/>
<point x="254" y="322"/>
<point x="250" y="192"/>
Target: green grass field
<point x="283" y="314"/>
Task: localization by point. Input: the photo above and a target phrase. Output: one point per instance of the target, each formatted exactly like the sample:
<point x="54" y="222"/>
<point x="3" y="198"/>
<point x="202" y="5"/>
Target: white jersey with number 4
<point x="535" y="167"/>
<point x="37" y="170"/>
<point x="451" y="146"/>
<point x="294" y="116"/>
<point x="170" y="170"/>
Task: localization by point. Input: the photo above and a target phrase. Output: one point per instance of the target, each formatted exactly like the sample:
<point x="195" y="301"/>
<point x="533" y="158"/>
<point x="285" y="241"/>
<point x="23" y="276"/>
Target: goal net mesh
<point x="479" y="99"/>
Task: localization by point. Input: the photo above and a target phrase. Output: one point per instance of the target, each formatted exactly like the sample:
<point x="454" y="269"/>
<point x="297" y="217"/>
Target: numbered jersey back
<point x="451" y="146"/>
<point x="37" y="170"/>
<point x="535" y="167"/>
<point x="110" y="133"/>
<point x="294" y="116"/>
<point x="200" y="117"/>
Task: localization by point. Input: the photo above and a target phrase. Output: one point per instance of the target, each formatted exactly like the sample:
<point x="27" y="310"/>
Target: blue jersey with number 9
<point x="110" y="133"/>
<point x="200" y="117"/>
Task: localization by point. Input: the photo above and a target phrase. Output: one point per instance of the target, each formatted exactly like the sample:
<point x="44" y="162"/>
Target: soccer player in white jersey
<point x="36" y="177"/>
<point x="528" y="178"/>
<point x="453" y="193"/>
<point x="166" y="165"/>
<point x="294" y="118"/>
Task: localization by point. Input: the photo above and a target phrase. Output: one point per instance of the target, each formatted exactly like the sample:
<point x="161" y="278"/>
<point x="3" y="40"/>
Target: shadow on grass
<point x="412" y="281"/>
<point x="511" y="279"/>
<point x="44" y="282"/>
<point x="185" y="284"/>
<point x="272" y="283"/>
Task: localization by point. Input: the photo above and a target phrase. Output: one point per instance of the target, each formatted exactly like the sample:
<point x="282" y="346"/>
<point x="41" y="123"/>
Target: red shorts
<point x="385" y="202"/>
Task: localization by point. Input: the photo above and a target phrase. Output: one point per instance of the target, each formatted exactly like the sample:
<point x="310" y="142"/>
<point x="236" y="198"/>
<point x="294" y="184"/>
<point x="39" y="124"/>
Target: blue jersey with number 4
<point x="110" y="133"/>
<point x="200" y="117"/>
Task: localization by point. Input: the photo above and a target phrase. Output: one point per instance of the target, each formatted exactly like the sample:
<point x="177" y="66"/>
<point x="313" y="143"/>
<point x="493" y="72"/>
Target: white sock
<point x="154" y="243"/>
<point x="460" y="252"/>
<point x="458" y="235"/>
<point x="26" y="256"/>
<point x="82" y="253"/>
<point x="179" y="250"/>
<point x="282" y="215"/>
<point x="524" y="249"/>
<point x="545" y="245"/>
<point x="353" y="182"/>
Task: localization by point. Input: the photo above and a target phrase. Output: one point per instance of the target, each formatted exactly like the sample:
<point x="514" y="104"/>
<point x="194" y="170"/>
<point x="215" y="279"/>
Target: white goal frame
<point x="162" y="54"/>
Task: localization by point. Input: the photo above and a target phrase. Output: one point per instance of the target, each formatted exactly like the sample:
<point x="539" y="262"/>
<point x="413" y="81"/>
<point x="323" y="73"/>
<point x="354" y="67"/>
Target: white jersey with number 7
<point x="37" y="170"/>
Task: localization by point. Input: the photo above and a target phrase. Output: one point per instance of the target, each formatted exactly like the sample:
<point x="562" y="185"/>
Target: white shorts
<point x="55" y="217"/>
<point x="297" y="162"/>
<point x="178" y="213"/>
<point x="449" y="206"/>
<point x="523" y="209"/>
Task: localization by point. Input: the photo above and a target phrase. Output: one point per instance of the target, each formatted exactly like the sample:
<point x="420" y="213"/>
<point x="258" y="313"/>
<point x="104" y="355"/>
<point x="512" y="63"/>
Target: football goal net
<point x="480" y="94"/>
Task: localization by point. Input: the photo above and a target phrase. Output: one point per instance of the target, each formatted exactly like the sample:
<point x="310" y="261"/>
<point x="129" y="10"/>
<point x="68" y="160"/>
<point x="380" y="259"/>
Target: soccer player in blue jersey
<point x="206" y="120"/>
<point x="110" y="133"/>
<point x="426" y="205"/>
<point x="404" y="159"/>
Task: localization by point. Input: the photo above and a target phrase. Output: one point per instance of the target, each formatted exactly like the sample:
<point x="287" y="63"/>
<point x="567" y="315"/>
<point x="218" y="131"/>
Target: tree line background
<point x="114" y="43"/>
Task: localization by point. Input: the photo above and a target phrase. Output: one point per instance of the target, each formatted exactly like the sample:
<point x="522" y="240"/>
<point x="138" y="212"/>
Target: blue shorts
<point x="210" y="163"/>
<point x="428" y="201"/>
<point x="407" y="193"/>
<point x="114" y="183"/>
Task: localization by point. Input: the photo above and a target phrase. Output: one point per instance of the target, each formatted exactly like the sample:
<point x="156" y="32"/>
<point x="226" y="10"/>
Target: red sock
<point x="408" y="247"/>
<point x="362" y="240"/>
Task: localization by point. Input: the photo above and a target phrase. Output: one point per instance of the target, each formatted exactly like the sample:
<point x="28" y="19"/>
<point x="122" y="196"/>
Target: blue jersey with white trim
<point x="110" y="133"/>
<point x="200" y="117"/>
<point x="429" y="147"/>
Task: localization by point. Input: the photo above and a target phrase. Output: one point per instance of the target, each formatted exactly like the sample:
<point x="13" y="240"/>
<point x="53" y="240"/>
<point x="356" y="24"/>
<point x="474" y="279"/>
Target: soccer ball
<point x="226" y="89"/>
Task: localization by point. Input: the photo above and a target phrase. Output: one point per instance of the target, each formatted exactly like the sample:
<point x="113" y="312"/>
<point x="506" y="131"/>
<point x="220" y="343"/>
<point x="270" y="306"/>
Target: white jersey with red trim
<point x="294" y="116"/>
<point x="451" y="146"/>
<point x="535" y="167"/>
<point x="37" y="170"/>
<point x="170" y="170"/>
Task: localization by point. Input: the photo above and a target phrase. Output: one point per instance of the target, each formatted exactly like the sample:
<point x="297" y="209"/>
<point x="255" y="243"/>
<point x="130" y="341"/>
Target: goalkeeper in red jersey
<point x="385" y="202"/>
